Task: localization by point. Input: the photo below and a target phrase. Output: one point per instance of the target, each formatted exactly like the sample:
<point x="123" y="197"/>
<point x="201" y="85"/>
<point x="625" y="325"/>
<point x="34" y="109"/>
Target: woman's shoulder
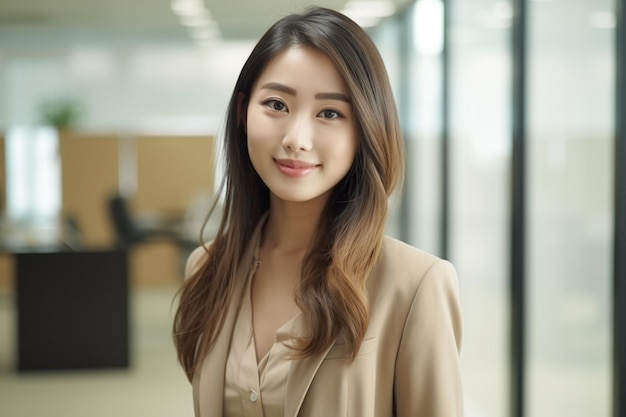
<point x="407" y="279"/>
<point x="407" y="266"/>
<point x="398" y="251"/>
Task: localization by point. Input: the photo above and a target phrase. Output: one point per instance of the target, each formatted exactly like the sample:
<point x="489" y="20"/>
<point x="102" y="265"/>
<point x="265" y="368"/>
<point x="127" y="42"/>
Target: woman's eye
<point x="275" y="105"/>
<point x="330" y="114"/>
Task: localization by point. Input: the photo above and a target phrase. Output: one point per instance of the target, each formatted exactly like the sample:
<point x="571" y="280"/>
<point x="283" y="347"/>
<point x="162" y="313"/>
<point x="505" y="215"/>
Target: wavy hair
<point x="346" y="245"/>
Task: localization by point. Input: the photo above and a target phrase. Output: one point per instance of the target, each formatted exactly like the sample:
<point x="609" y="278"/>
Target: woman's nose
<point x="299" y="135"/>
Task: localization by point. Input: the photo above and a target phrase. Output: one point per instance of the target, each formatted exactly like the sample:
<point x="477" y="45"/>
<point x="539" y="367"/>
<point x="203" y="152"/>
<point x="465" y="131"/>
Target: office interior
<point x="512" y="113"/>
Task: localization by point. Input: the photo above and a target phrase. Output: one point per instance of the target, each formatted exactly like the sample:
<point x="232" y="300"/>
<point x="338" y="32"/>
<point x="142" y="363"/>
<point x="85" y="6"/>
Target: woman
<point x="301" y="306"/>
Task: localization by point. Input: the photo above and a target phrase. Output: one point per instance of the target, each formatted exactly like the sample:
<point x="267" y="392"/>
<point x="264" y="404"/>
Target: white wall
<point x="151" y="85"/>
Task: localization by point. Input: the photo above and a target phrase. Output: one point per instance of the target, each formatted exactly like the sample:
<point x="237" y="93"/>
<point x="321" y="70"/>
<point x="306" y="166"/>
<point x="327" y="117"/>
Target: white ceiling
<point x="236" y="19"/>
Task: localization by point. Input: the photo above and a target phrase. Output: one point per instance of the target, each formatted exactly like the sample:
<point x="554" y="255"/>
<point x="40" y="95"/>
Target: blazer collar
<point x="208" y="385"/>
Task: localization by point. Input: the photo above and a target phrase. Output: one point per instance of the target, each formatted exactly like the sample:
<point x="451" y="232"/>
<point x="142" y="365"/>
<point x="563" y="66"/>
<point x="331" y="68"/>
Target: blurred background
<point x="110" y="113"/>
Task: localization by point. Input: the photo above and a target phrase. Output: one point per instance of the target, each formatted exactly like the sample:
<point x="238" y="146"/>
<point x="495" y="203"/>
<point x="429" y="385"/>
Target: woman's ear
<point x="241" y="111"/>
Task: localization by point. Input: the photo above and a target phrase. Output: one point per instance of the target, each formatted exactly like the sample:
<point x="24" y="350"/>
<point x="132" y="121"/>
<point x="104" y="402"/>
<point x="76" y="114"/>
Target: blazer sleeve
<point x="428" y="376"/>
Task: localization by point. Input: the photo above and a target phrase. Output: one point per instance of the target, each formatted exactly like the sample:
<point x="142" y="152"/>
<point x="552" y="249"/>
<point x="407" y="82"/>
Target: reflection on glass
<point x="423" y="126"/>
<point x="480" y="87"/>
<point x="570" y="207"/>
<point x="386" y="37"/>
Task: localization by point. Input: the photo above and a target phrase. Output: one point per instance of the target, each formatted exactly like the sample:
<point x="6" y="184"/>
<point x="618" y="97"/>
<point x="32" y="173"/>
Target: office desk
<point x="72" y="309"/>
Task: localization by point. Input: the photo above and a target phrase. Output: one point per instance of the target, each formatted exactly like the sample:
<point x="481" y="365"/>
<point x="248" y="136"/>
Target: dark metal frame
<point x="403" y="103"/>
<point x="445" y="134"/>
<point x="518" y="212"/>
<point x="619" y="249"/>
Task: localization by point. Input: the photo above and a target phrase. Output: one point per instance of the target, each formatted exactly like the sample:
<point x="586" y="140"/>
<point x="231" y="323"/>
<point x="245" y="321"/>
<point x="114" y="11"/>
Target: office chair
<point x="128" y="233"/>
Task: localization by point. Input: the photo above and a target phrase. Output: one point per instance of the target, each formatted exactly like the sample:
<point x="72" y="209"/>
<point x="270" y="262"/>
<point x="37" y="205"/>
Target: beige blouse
<point x="254" y="389"/>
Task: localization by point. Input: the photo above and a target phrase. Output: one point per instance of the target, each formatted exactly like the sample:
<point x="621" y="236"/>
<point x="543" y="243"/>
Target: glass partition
<point x="422" y="121"/>
<point x="570" y="143"/>
<point x="480" y="146"/>
<point x="387" y="37"/>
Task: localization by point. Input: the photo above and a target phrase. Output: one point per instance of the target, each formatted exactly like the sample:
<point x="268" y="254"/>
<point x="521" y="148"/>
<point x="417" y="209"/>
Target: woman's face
<point x="301" y="131"/>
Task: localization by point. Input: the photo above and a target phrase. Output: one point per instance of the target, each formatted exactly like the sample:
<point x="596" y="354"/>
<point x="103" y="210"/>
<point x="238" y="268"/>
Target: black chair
<point x="130" y="231"/>
<point x="126" y="230"/>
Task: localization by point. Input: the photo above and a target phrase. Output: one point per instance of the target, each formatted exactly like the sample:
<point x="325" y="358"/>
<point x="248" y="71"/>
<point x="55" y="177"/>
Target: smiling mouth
<point x="295" y="169"/>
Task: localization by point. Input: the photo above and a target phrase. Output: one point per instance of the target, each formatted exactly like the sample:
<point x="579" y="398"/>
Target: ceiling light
<point x="198" y="19"/>
<point x="187" y="7"/>
<point x="368" y="13"/>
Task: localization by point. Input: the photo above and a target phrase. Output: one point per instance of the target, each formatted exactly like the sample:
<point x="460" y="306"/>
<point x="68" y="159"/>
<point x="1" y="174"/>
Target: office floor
<point x="154" y="385"/>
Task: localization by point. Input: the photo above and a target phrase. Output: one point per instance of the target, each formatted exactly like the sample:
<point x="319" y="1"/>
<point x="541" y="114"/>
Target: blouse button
<point x="253" y="396"/>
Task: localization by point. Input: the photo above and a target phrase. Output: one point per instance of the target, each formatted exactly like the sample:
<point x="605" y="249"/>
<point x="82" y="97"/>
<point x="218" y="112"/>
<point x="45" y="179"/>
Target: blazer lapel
<point x="301" y="374"/>
<point x="208" y="384"/>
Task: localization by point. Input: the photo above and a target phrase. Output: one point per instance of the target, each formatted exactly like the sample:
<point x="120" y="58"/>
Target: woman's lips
<point x="293" y="168"/>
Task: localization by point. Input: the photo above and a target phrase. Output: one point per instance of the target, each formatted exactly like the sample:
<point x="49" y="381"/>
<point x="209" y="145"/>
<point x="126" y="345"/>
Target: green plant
<point x="60" y="113"/>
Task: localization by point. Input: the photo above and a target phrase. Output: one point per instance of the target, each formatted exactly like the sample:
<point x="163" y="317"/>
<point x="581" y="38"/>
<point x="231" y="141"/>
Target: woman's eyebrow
<point x="332" y="96"/>
<point x="319" y="96"/>
<point x="279" y="87"/>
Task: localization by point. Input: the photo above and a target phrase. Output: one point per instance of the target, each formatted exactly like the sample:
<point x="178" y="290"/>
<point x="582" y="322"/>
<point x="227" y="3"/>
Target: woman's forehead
<point x="304" y="69"/>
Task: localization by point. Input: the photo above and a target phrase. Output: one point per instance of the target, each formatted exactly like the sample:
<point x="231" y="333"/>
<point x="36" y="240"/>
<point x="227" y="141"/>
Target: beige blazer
<point x="408" y="364"/>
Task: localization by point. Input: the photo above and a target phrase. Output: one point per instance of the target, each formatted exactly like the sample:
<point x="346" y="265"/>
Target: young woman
<point x="301" y="306"/>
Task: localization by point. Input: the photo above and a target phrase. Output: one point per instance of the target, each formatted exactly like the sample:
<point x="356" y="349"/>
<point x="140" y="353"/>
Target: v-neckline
<point x="285" y="332"/>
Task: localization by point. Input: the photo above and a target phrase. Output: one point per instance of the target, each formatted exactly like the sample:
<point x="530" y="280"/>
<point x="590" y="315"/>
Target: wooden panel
<point x="3" y="175"/>
<point x="89" y="170"/>
<point x="171" y="171"/>
<point x="6" y="260"/>
<point x="7" y="268"/>
<point x="156" y="264"/>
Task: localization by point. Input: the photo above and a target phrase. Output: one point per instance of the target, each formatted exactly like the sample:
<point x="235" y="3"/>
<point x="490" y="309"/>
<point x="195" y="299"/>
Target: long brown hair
<point x="331" y="294"/>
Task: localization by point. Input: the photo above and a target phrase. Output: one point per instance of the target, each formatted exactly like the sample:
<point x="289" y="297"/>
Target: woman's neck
<point x="291" y="226"/>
